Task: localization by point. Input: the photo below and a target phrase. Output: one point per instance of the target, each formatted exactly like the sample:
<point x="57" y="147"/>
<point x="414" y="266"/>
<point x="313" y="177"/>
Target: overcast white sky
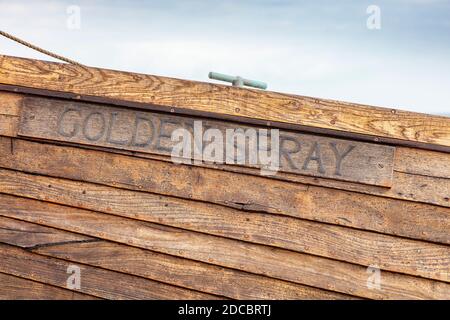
<point x="315" y="48"/>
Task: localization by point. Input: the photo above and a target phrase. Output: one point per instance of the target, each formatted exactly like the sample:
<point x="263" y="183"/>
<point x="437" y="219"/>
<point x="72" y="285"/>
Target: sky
<point x="393" y="53"/>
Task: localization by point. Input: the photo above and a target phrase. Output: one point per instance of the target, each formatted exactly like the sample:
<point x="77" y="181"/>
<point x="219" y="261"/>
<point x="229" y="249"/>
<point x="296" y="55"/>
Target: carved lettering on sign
<point x="150" y="132"/>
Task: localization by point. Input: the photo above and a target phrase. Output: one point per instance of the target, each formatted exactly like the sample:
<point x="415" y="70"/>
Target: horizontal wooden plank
<point x="28" y="235"/>
<point x="418" y="184"/>
<point x="15" y="288"/>
<point x="226" y="101"/>
<point x="269" y="261"/>
<point x="8" y="125"/>
<point x="151" y="132"/>
<point x="94" y="281"/>
<point x="186" y="273"/>
<point x="345" y="244"/>
<point x="357" y="210"/>
<point x="422" y="162"/>
<point x="410" y="187"/>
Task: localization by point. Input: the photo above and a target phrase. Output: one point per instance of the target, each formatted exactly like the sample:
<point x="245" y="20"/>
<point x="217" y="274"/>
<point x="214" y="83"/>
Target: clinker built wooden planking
<point x="87" y="179"/>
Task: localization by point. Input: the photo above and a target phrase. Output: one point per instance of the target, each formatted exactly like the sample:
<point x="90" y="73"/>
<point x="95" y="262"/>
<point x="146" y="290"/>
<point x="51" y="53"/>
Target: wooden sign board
<point x="150" y="132"/>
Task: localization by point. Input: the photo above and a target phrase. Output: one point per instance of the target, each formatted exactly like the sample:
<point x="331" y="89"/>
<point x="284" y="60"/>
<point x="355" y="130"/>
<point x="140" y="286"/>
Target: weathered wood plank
<point x="410" y="187"/>
<point x="273" y="262"/>
<point x="151" y="132"/>
<point x="15" y="288"/>
<point x="186" y="273"/>
<point x="226" y="101"/>
<point x="422" y="162"/>
<point x="94" y="281"/>
<point x="28" y="235"/>
<point x="418" y="184"/>
<point x="360" y="247"/>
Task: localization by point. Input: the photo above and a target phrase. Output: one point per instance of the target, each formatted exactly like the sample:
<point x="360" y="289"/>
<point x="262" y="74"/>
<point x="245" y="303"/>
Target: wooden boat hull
<point x="92" y="205"/>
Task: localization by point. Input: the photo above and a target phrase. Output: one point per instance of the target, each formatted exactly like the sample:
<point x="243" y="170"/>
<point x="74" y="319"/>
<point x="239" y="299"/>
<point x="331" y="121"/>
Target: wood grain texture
<point x="360" y="247"/>
<point x="28" y="235"/>
<point x="186" y="273"/>
<point x="10" y="106"/>
<point x="16" y="288"/>
<point x="150" y="132"/>
<point x="267" y="195"/>
<point x="8" y="125"/>
<point x="10" y="103"/>
<point x="418" y="184"/>
<point x="410" y="187"/>
<point x="269" y="261"/>
<point x="94" y="281"/>
<point x="413" y="220"/>
<point x="407" y="186"/>
<point x="226" y="100"/>
<point x="423" y="162"/>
